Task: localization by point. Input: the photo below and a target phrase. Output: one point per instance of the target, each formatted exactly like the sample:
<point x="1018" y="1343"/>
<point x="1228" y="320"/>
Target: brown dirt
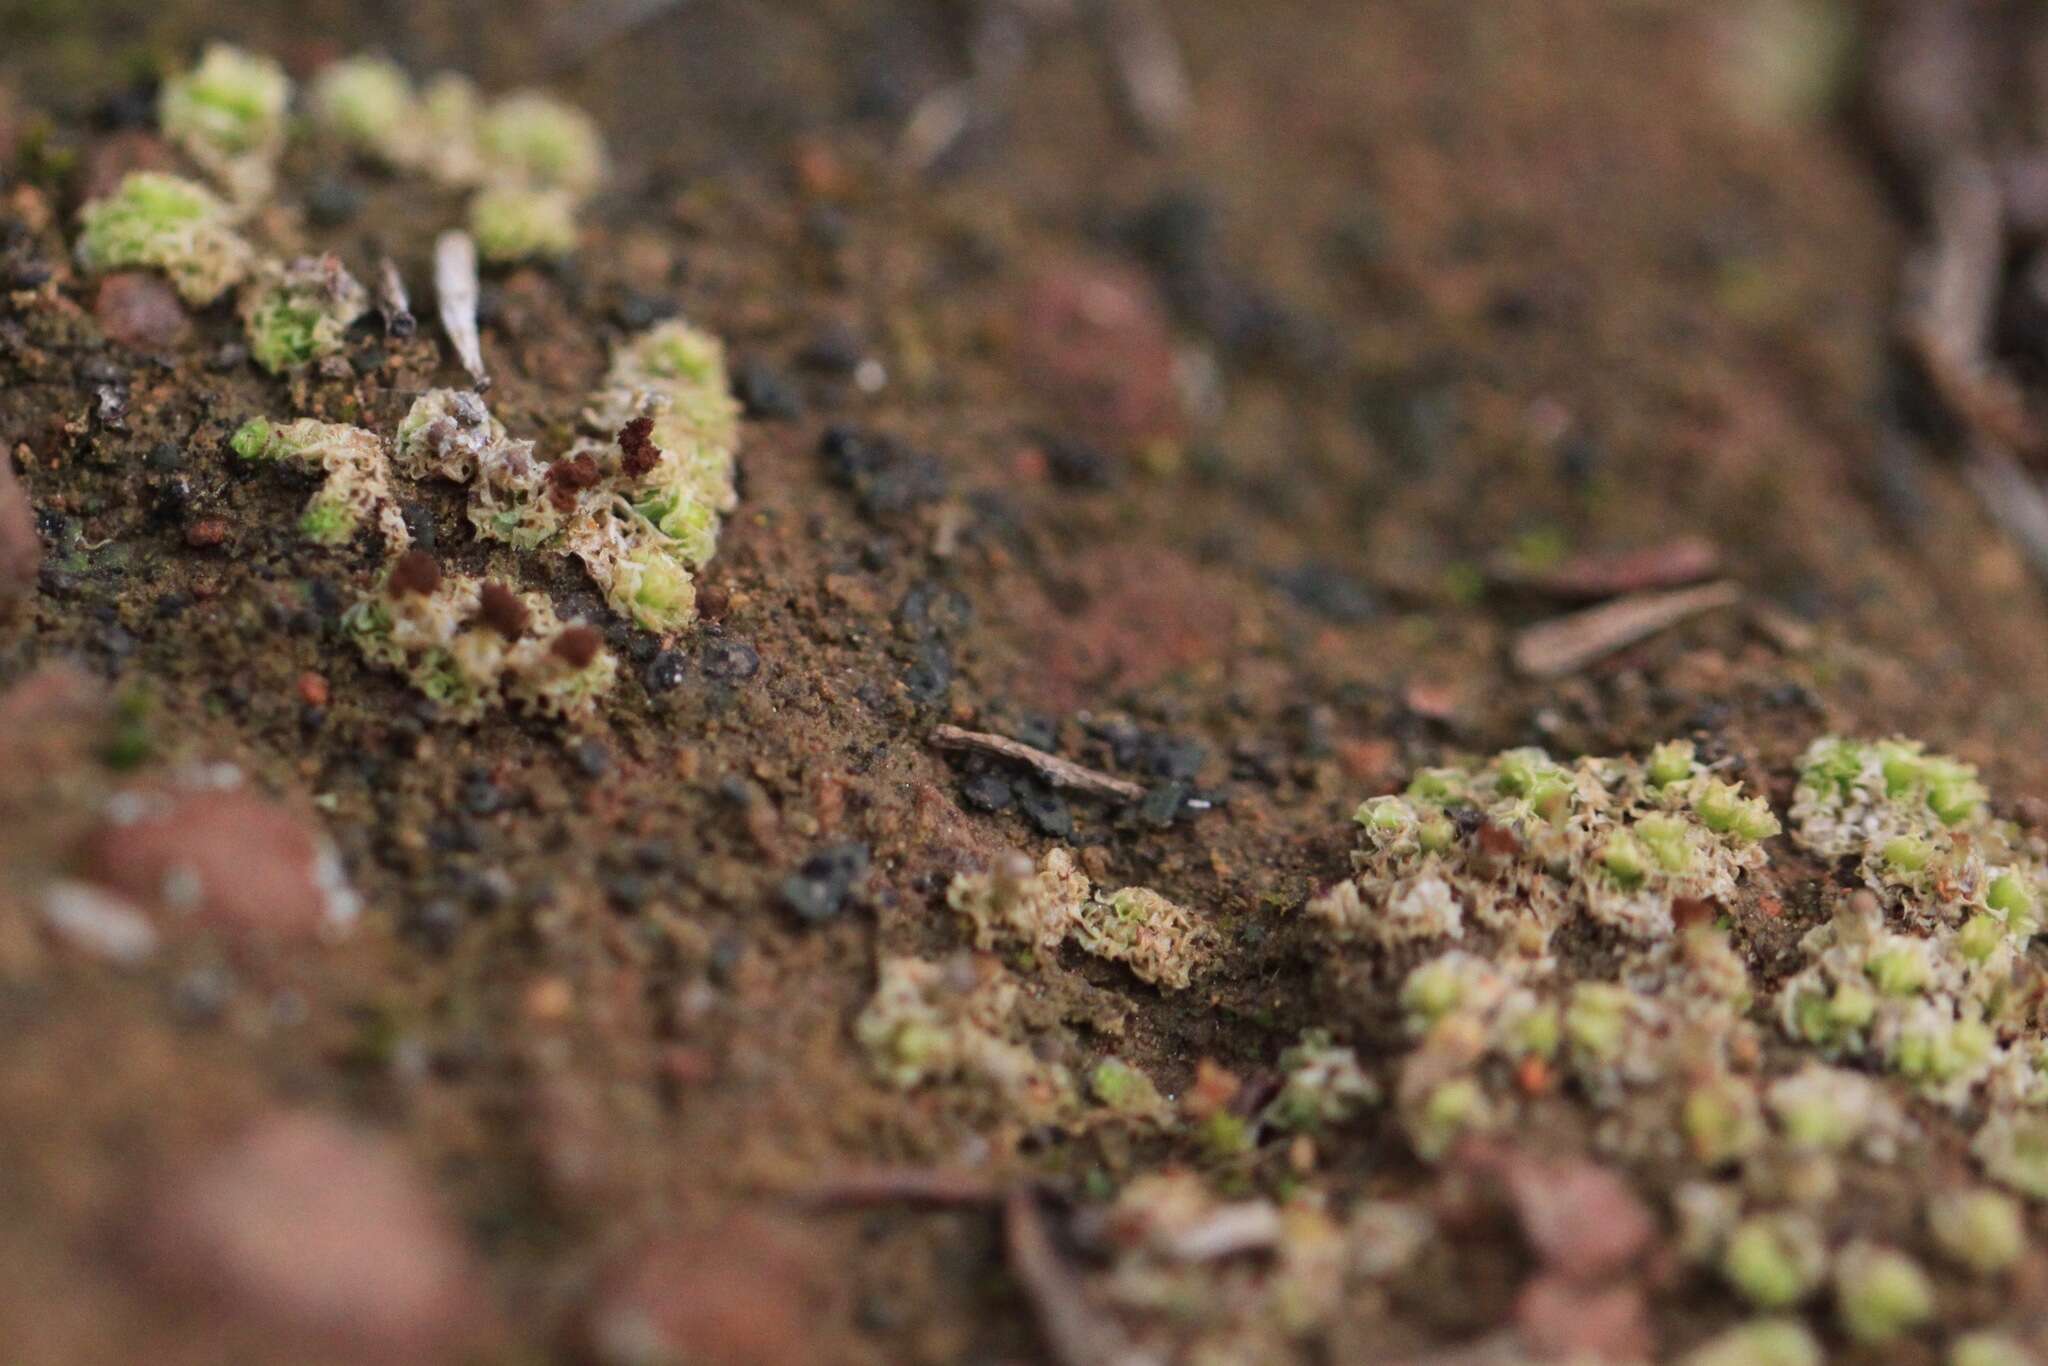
<point x="1481" y="270"/>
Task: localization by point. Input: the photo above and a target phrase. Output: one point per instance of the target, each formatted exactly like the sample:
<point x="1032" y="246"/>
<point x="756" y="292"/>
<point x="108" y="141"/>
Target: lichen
<point x="517" y="223"/>
<point x="931" y="1022"/>
<point x="228" y="114"/>
<point x="1616" y="840"/>
<point x="1042" y="908"/>
<point x="163" y="222"/>
<point x="299" y="312"/>
<point x="356" y="487"/>
<point x="529" y="138"/>
<point x="471" y="644"/>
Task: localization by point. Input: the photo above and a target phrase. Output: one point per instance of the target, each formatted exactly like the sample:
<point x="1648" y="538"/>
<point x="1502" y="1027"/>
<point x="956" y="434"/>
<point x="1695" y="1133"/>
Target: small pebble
<point x="817" y="891"/>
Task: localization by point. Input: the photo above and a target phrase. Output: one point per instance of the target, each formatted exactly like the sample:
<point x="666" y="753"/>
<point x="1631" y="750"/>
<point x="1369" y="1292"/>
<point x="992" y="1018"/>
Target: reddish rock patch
<point x="228" y="860"/>
<point x="742" y="1295"/>
<point x="1136" y="618"/>
<point x="1563" y="1321"/>
<point x="140" y="311"/>
<point x="316" y="1230"/>
<point x="1095" y="338"/>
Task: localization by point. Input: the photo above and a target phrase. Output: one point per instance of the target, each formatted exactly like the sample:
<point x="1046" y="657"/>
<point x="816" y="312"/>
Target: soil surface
<point x="1187" y="463"/>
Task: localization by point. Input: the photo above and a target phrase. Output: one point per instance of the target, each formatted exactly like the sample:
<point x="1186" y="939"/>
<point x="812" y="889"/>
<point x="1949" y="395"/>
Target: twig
<point x="455" y="292"/>
<point x="586" y="28"/>
<point x="863" y="1186"/>
<point x="1565" y="644"/>
<point x="2012" y="499"/>
<point x="1077" y="1334"/>
<point x="1055" y="770"/>
<point x="1151" y="75"/>
<point x="392" y="300"/>
<point x="1688" y="559"/>
<point x="1952" y="302"/>
<point x="948" y="116"/>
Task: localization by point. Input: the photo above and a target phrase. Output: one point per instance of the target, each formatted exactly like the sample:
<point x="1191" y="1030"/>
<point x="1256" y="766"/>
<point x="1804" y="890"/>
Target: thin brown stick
<point x="1608" y="574"/>
<point x="1063" y="773"/>
<point x="393" y="301"/>
<point x="1566" y="644"/>
<point x="864" y="1186"/>
<point x="1076" y="1333"/>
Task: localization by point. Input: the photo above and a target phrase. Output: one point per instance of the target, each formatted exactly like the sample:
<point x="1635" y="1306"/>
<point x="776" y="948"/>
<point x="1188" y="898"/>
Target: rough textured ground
<point x="1458" y="275"/>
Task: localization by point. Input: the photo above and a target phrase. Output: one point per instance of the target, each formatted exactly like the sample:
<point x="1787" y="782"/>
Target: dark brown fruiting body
<point x="637" y="452"/>
<point x="502" y="611"/>
<point x="577" y="646"/>
<point x="565" y="477"/>
<point x="415" y="572"/>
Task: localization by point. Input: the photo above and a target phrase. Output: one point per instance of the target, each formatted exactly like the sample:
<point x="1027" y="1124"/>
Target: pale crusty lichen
<point x="1043" y="907"/>
<point x="1526" y="838"/>
<point x="356" y="490"/>
<point x="472" y="644"/>
<point x="228" y="115"/>
<point x="1202" y="1279"/>
<point x="1158" y="940"/>
<point x="299" y="311"/>
<point x="163" y="222"/>
<point x="639" y="506"/>
<point x="931" y="1022"/>
<point x="1016" y="901"/>
<point x="1321" y="1085"/>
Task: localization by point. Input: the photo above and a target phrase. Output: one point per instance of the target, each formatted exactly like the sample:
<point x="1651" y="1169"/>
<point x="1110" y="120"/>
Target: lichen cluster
<point x="639" y="499"/>
<point x="228" y="115"/>
<point x="1043" y="907"/>
<point x="931" y="1022"/>
<point x="471" y="644"/>
<point x="164" y="222"/>
<point x="530" y="159"/>
<point x="355" y="489"/>
<point x="1523" y="843"/>
<point x="1571" y="935"/>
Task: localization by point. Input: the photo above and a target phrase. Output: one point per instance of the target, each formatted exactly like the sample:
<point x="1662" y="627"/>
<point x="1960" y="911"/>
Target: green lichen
<point x="1775" y="1260"/>
<point x="516" y="223"/>
<point x="228" y="114"/>
<point x="162" y="222"/>
<point x="297" y="313"/>
<point x="356" y="490"/>
<point x="1880" y="1293"/>
<point x="529" y="138"/>
<point x="1762" y="1342"/>
<point x="1980" y="1230"/>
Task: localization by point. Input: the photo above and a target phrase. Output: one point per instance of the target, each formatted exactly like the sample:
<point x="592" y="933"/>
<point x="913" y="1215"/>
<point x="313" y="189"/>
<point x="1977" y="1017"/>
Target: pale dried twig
<point x="1063" y="773"/>
<point x="2013" y="499"/>
<point x="455" y="292"/>
<point x="1565" y="644"/>
<point x="1150" y="73"/>
<point x="1075" y="1331"/>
